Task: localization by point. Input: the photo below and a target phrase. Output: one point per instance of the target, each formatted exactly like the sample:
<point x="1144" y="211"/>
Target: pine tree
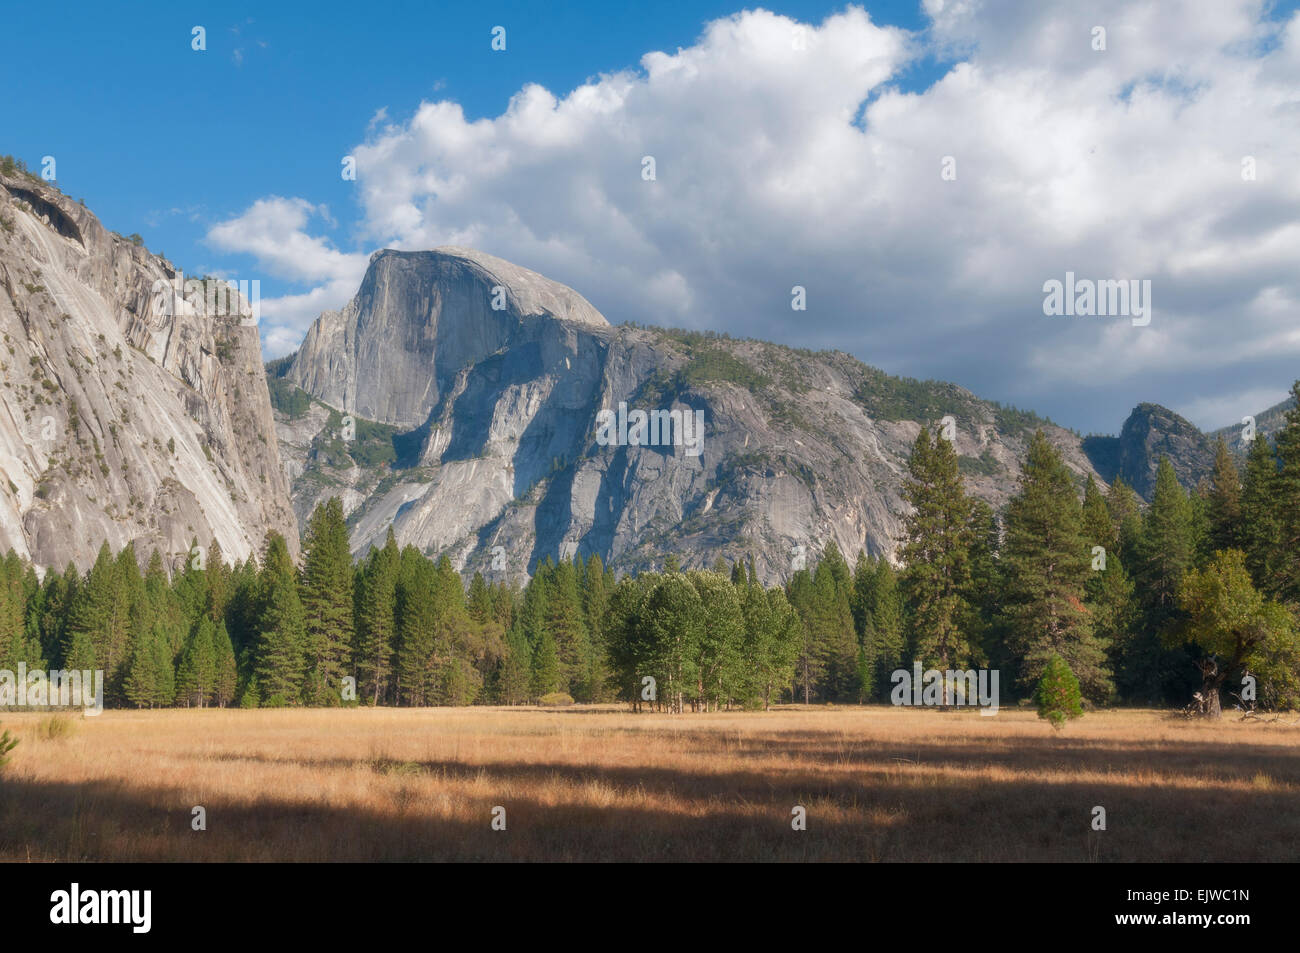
<point x="810" y="666"/>
<point x="596" y="583"/>
<point x="936" y="552"/>
<point x="375" y="629"/>
<point x="1153" y="671"/>
<point x="515" y="671"/>
<point x="419" y="667"/>
<point x="1046" y="562"/>
<point x="479" y="600"/>
<point x="99" y="630"/>
<point x="1225" y="511"/>
<point x="225" y="674"/>
<point x="546" y="666"/>
<point x="196" y="672"/>
<point x="1126" y="516"/>
<point x="1286" y="505"/>
<point x="218" y="574"/>
<point x="1057" y="693"/>
<point x="831" y="628"/>
<point x="566" y="625"/>
<point x="281" y="631"/>
<point x="888" y="625"/>
<point x="327" y="603"/>
<point x="1260" y="529"/>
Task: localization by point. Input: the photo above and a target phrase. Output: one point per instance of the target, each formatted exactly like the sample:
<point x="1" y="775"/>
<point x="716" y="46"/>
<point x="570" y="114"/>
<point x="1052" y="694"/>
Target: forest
<point x="1189" y="600"/>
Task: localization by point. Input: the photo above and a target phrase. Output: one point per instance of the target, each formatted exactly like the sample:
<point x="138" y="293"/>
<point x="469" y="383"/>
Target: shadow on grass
<point x="866" y="800"/>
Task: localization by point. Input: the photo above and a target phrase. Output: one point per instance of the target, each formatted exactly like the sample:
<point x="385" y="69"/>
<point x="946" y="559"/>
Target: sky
<point x="922" y="170"/>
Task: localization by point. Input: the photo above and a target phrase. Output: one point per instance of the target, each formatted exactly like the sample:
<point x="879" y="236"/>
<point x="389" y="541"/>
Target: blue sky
<point x="775" y="170"/>
<point x="166" y="141"/>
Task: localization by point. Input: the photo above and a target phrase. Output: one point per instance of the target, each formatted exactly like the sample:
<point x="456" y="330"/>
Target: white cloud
<point x="778" y="166"/>
<point x="273" y="231"/>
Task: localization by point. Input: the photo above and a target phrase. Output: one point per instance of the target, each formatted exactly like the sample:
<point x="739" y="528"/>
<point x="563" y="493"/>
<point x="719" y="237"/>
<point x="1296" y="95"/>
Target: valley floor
<point x="600" y="783"/>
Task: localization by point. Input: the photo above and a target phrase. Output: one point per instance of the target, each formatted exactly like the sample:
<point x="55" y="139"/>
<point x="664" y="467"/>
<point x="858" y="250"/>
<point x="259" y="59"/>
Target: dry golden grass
<point x="599" y="783"/>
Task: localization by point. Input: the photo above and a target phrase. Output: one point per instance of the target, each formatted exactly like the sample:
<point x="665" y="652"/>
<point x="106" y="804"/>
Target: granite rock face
<point x="500" y="458"/>
<point x="127" y="413"/>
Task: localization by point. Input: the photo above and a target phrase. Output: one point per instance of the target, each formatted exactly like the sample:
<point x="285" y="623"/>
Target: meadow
<point x="601" y="783"/>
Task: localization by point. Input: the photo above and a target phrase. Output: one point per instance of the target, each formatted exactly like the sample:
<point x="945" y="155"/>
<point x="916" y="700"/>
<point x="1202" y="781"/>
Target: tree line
<point x="1186" y="597"/>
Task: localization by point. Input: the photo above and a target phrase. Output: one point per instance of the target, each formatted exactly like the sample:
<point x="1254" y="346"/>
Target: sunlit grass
<point x="593" y="783"/>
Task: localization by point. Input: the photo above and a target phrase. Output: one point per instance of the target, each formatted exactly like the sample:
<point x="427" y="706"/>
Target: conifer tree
<point x="1153" y="671"/>
<point x="281" y="632"/>
<point x="1046" y="562"/>
<point x="218" y="578"/>
<point x="225" y="673"/>
<point x="1225" y="514"/>
<point x="830" y="623"/>
<point x="375" y="629"/>
<point x="327" y="603"/>
<point x="1286" y="505"/>
<point x="419" y="668"/>
<point x="936" y="552"/>
<point x="196" y="671"/>
<point x="1260" y="529"/>
<point x="516" y="672"/>
<point x="1057" y="693"/>
<point x="546" y="666"/>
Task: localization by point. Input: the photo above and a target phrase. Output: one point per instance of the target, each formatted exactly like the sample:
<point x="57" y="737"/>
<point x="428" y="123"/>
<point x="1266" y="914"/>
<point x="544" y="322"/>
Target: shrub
<point x="1057" y="693"/>
<point x="555" y="700"/>
<point x="56" y="727"/>
<point x="7" y="744"/>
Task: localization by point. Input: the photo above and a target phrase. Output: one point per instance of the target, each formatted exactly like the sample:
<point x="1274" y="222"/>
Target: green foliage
<point x="1046" y="565"/>
<point x="936" y="549"/>
<point x="287" y="397"/>
<point x="556" y="700"/>
<point x="1057" y="693"/>
<point x="7" y="745"/>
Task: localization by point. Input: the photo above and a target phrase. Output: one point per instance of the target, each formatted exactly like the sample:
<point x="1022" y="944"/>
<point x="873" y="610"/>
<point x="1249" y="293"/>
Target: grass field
<point x="592" y="783"/>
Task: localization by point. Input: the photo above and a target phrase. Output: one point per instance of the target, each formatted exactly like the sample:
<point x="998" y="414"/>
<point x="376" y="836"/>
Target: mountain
<point x="127" y="412"/>
<point x="1150" y="432"/>
<point x="1267" y="422"/>
<point x="477" y="430"/>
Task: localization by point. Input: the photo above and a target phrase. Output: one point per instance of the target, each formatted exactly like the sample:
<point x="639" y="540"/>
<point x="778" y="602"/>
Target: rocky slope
<point x="1149" y="433"/>
<point x="475" y="430"/>
<point x="126" y="413"/>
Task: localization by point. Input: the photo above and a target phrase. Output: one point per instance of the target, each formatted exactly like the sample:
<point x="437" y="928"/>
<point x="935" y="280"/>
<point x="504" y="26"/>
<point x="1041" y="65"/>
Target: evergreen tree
<point x="281" y="630"/>
<point x="1225" y="509"/>
<point x="327" y="603"/>
<point x="1286" y="505"/>
<point x="99" y="630"/>
<point x="196" y="672"/>
<point x="1153" y="671"/>
<point x="419" y="667"/>
<point x="936" y="551"/>
<point x="1046" y="562"/>
<point x="225" y="674"/>
<point x="830" y="624"/>
<point x="376" y="624"/>
<point x="1057" y="693"/>
<point x="1260" y="529"/>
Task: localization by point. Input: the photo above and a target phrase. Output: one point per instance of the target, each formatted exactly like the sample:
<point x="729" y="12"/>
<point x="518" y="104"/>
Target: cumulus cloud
<point x="792" y="154"/>
<point x="274" y="231"/>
